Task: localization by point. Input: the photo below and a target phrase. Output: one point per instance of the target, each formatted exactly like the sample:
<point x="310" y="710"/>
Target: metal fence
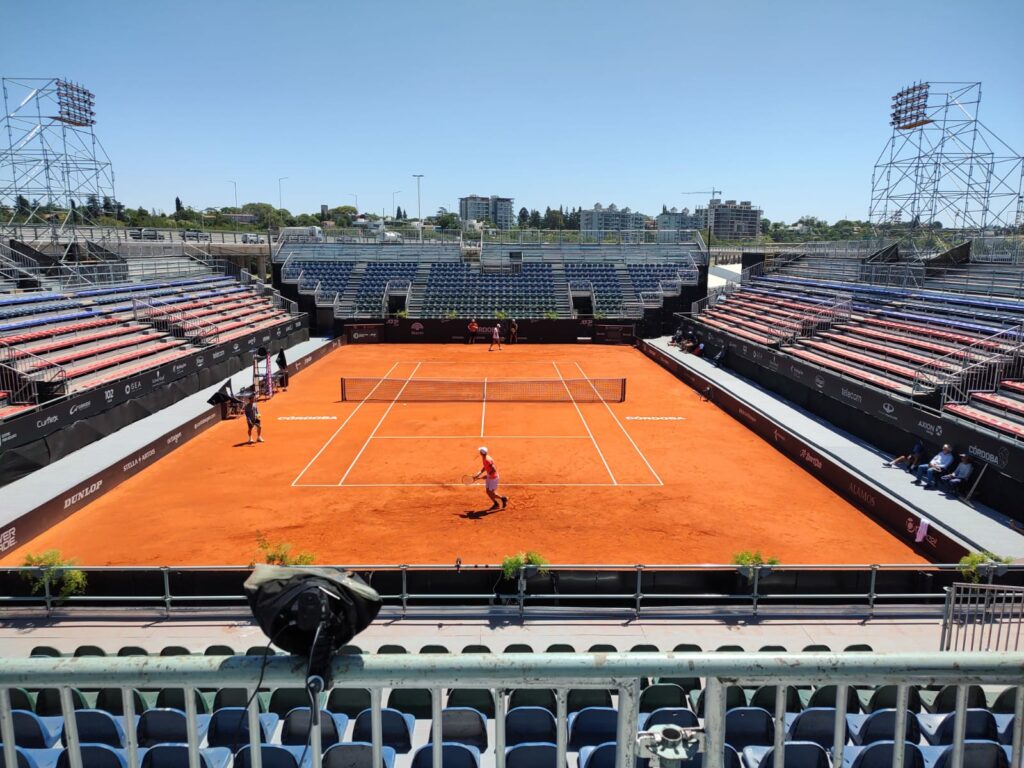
<point x="753" y="590"/>
<point x="623" y="674"/>
<point x="982" y="617"/>
<point x="177" y="321"/>
<point x="29" y="379"/>
<point x="975" y="367"/>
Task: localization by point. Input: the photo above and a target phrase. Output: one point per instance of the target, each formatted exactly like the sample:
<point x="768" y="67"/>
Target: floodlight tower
<point x="942" y="165"/>
<point x="53" y="169"/>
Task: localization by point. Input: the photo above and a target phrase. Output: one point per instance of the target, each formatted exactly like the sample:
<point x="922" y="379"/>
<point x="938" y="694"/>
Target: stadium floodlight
<point x="280" y="205"/>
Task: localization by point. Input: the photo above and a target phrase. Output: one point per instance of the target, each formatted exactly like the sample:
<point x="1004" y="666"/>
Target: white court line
<point x="462" y="485"/>
<point x="338" y="430"/>
<point x="628" y="436"/>
<point x="390" y="406"/>
<point x="474" y="437"/>
<point x="483" y="410"/>
<point x="586" y="426"/>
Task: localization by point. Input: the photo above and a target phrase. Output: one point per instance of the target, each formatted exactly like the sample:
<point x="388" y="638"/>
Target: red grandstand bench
<point x="144" y="365"/>
<point x="903" y="354"/>
<point x="45" y="333"/>
<point x="986" y="418"/>
<point x="857" y="373"/>
<point x="873" y="362"/>
<point x="999" y="401"/>
<point x="758" y="338"/>
<point x="98" y="365"/>
<point x="81" y="354"/>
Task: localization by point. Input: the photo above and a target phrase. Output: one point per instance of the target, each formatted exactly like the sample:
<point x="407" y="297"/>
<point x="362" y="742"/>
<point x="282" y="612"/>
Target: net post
<point x="622" y="391"/>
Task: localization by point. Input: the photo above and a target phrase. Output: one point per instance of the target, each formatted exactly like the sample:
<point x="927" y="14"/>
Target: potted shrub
<point x="53" y="569"/>
<point x="748" y="561"/>
<point x="974" y="565"/>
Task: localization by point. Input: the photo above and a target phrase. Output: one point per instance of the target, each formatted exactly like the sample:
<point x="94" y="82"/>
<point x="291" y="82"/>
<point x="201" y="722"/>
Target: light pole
<point x="419" y="215"/>
<point x="393" y="209"/>
<point x="279" y="204"/>
<point x="353" y="194"/>
<point x="235" y="185"/>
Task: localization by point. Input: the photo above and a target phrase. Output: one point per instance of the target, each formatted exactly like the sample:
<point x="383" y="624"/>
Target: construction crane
<point x="711" y="192"/>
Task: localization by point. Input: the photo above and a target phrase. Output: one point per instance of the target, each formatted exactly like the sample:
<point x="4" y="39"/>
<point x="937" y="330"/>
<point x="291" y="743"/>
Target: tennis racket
<point x="468" y="479"/>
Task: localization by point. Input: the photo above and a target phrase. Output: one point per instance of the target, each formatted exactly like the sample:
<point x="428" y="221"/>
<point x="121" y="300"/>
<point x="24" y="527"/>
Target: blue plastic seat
<point x="176" y="756"/>
<point x="816" y="724"/>
<point x="97" y="727"/>
<point x="229" y="727"/>
<point x="167" y="726"/>
<point x="529" y="724"/>
<point x="464" y="725"/>
<point x="748" y="727"/>
<point x="357" y="754"/>
<point x="296" y="725"/>
<point x="34" y="732"/>
<point x="271" y="756"/>
<point x="977" y="754"/>
<point x="880" y="754"/>
<point x="532" y="755"/>
<point x="799" y="754"/>
<point x="95" y="756"/>
<point x="681" y="716"/>
<point x="880" y="726"/>
<point x="452" y="756"/>
<point x="396" y="729"/>
<point x="938" y="729"/>
<point x="592" y="726"/>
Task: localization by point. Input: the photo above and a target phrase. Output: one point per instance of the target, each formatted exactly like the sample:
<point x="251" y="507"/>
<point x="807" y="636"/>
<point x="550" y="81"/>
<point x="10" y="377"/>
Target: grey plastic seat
<point x="816" y="724"/>
<point x="348" y="701"/>
<point x="480" y="699"/>
<point x="396" y="729"/>
<point x="464" y="725"/>
<point x="296" y="726"/>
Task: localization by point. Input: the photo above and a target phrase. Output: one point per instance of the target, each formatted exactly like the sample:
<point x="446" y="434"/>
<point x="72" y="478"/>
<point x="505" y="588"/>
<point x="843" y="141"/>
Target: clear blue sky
<point x="549" y="101"/>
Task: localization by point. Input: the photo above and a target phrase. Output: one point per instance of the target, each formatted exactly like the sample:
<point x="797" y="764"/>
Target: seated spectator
<point x="956" y="479"/>
<point x="697" y="349"/>
<point x="689" y="342"/>
<point x="910" y="459"/>
<point x="935" y="468"/>
<point x="677" y="337"/>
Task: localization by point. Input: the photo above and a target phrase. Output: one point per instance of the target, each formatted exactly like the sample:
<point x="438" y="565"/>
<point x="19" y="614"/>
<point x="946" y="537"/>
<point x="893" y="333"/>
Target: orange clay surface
<point x="381" y="483"/>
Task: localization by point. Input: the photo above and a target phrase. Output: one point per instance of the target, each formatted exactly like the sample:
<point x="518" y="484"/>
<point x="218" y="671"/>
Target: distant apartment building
<point x="730" y="220"/>
<point x="599" y="219"/>
<point x="497" y="210"/>
<point x="676" y="219"/>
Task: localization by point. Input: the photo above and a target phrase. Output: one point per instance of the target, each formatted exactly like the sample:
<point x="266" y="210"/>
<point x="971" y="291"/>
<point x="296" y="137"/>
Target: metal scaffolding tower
<point x="53" y="169"/>
<point x="942" y="165"/>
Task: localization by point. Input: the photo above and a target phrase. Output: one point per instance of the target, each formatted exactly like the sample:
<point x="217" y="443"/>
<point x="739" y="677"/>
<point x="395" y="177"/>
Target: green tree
<point x="535" y="220"/>
<point x="178" y="207"/>
<point x="92" y="207"/>
<point x="524" y="217"/>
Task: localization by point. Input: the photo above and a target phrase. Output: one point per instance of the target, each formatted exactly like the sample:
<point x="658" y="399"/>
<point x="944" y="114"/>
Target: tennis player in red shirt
<point x="490" y="470"/>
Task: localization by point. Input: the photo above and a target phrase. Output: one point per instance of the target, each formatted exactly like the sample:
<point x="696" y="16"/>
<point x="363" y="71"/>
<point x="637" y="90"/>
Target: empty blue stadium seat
<point x="452" y="756"/>
<point x="357" y="754"/>
<point x="529" y="724"/>
<point x="799" y="754"/>
<point x="395" y="727"/>
<point x="176" y="756"/>
<point x="592" y="726"/>
<point x="532" y="755"/>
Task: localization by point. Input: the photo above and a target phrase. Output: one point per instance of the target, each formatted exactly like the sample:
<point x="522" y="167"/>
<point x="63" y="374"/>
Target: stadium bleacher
<point x="94" y="336"/>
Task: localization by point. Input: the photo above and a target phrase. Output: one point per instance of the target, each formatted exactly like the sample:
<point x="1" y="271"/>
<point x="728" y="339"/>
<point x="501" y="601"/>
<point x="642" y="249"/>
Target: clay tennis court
<point x="659" y="478"/>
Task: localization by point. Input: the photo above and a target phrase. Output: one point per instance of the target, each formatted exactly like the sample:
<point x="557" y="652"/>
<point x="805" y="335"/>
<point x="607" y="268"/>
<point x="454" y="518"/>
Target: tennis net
<point x="484" y="390"/>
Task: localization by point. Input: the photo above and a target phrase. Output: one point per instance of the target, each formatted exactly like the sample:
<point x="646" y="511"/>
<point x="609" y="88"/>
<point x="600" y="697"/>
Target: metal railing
<point x="179" y="322"/>
<point x="29" y="379"/>
<point x="521" y="595"/>
<point x="978" y="366"/>
<point x="982" y="617"/>
<point x="622" y="673"/>
<point x="396" y="287"/>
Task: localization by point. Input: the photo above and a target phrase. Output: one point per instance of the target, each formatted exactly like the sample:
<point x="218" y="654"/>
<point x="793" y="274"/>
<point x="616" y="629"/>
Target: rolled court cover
<point x="484" y="390"/>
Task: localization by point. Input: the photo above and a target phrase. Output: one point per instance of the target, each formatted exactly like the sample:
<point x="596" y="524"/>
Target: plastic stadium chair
<point x="452" y="756"/>
<point x="97" y="727"/>
<point x="48" y="701"/>
<point x="816" y="648"/>
<point x="884" y="697"/>
<point x="602" y="648"/>
<point x="661" y="695"/>
<point x="583" y="698"/>
<point x="799" y="754"/>
<point x="260" y="650"/>
<point x="26" y="759"/>
<point x="476" y="649"/>
<point x="296" y="726"/>
<point x="729" y="649"/>
<point x="166" y="726"/>
<point x="524" y="725"/>
<point x="413" y="701"/>
<point x="22" y="699"/>
<point x="132" y="650"/>
<point x="938" y="729"/>
<point x="348" y="701"/>
<point x="176" y="756"/>
<point x="532" y="755"/>
<point x="229" y="727"/>
<point x="816" y="724"/>
<point x="284" y="700"/>
<point x="880" y="726"/>
<point x="271" y="756"/>
<point x="735" y="697"/>
<point x="945" y="700"/>
<point x="592" y="726"/>
<point x="89" y="650"/>
<point x="350" y="650"/>
<point x="391" y="648"/>
<point x="858" y="648"/>
<point x="110" y="700"/>
<point x="1003" y="705"/>
<point x="95" y="756"/>
<point x="174" y="698"/>
<point x="764" y="697"/>
<point x="687" y="648"/>
<point x="644" y="648"/>
<point x="772" y="649"/>
<point x="396" y="729"/>
<point x="533" y="697"/>
<point x="434" y="649"/>
<point x="480" y="699"/>
<point x="32" y="732"/>
<point x="681" y="716"/>
<point x="879" y="755"/>
<point x="748" y="727"/>
<point x="464" y="725"/>
<point x="175" y="650"/>
<point x="235" y="697"/>
<point x="560" y="648"/>
<point x="219" y="650"/>
<point x="518" y="648"/>
<point x="357" y="754"/>
<point x="977" y="754"/>
<point x="825" y="696"/>
<point x="598" y="756"/>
